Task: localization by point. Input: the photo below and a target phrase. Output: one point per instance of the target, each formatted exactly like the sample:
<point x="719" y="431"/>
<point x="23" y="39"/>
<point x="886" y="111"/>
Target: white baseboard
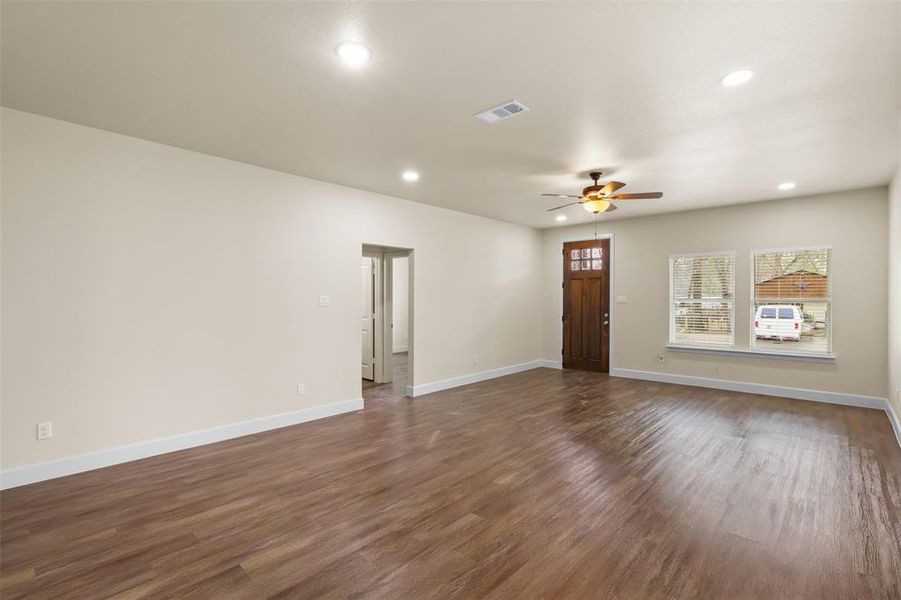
<point x="446" y="384"/>
<point x="756" y="388"/>
<point x="551" y="364"/>
<point x="111" y="456"/>
<point x="894" y="420"/>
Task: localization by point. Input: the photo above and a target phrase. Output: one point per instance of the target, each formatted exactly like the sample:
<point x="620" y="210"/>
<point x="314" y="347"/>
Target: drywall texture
<point x="854" y="223"/>
<point x="149" y="291"/>
<point x="894" y="299"/>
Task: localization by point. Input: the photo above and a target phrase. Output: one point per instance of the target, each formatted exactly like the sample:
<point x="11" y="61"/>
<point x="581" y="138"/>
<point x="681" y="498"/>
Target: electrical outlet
<point x="324" y="301"/>
<point x="301" y="390"/>
<point x="45" y="431"/>
<point x="661" y="359"/>
<point x="475" y="359"/>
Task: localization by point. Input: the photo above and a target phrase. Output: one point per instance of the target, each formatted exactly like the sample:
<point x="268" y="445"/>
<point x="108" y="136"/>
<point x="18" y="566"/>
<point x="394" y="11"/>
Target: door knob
<point x="606" y="322"/>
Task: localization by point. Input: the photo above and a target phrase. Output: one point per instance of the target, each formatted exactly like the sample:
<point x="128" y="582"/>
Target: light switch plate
<point x="45" y="431"/>
<point x="622" y="299"/>
<point x="324" y="301"/>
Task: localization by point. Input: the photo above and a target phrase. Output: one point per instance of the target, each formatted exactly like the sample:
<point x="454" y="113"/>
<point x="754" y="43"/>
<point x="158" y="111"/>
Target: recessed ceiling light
<point x="787" y="185"/>
<point x="353" y="54"/>
<point x="737" y="78"/>
<point x="410" y="176"/>
<point x="561" y="217"/>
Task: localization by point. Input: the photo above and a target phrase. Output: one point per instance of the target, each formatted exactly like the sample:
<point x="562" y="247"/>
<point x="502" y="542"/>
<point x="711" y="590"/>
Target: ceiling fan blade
<point x="561" y="195"/>
<point x="564" y="206"/>
<point x="611" y="207"/>
<point x="611" y="187"/>
<point x="639" y="196"/>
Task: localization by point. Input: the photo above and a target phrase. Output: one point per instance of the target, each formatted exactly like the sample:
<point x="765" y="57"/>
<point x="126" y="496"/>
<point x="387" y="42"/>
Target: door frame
<point x="384" y="255"/>
<point x="611" y="302"/>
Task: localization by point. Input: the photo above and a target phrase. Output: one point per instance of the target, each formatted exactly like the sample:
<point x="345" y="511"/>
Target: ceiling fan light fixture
<point x="596" y="206"/>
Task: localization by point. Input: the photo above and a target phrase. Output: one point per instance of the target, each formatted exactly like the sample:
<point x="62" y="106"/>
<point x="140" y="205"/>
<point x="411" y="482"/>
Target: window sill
<point x="753" y="353"/>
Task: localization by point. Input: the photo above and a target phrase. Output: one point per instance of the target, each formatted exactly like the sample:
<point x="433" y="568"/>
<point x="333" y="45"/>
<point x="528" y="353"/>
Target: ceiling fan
<point x="599" y="198"/>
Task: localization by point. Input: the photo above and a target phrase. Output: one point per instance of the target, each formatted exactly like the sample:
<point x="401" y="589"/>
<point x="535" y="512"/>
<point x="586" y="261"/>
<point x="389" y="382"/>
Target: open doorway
<point x="386" y="320"/>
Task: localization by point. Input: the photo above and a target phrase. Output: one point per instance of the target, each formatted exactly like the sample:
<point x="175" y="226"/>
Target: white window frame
<point x="676" y="345"/>
<point x="752" y="338"/>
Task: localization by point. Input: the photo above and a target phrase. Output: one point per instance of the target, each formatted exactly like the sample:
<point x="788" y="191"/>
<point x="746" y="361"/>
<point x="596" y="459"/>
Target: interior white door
<point x="367" y="317"/>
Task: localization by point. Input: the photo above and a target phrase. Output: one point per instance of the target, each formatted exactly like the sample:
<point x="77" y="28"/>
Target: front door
<point x="586" y="305"/>
<point x="367" y="317"/>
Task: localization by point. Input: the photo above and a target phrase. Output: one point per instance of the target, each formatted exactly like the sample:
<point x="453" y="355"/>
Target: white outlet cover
<point x="45" y="431"/>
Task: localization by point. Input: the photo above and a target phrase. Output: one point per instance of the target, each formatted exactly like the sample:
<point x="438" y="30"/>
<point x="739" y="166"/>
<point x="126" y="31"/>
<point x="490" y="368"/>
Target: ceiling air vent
<point x="502" y="111"/>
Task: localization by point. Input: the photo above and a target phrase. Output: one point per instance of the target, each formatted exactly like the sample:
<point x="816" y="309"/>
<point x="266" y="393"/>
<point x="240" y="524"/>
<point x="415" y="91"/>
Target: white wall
<point x="149" y="291"/>
<point x="400" y="306"/>
<point x="894" y="301"/>
<point x="854" y="223"/>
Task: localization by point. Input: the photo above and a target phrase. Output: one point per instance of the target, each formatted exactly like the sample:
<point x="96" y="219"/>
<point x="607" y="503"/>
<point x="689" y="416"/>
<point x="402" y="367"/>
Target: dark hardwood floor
<point x="544" y="484"/>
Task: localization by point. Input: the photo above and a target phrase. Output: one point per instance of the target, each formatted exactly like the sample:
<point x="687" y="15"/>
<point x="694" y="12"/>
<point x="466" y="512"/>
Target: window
<point x="795" y="285"/>
<point x="586" y="259"/>
<point x="702" y="299"/>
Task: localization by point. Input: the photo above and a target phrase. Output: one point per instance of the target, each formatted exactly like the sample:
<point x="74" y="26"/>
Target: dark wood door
<point x="586" y="305"/>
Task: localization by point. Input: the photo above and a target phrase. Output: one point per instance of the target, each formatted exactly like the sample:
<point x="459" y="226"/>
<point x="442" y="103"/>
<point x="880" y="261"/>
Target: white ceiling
<point x="632" y="89"/>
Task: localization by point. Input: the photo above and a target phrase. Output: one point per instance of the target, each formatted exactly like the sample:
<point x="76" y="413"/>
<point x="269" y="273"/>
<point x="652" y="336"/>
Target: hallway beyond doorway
<point x="396" y="388"/>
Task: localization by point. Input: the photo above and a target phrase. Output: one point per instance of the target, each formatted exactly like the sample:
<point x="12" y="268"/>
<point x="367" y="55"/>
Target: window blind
<point x="702" y="293"/>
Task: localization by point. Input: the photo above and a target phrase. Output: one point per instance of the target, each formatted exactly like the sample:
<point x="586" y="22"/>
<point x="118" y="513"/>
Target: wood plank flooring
<point x="544" y="484"/>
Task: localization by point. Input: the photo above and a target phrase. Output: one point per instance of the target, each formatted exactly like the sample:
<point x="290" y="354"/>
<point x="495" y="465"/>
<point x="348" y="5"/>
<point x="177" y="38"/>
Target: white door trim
<point x="383" y="256"/>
